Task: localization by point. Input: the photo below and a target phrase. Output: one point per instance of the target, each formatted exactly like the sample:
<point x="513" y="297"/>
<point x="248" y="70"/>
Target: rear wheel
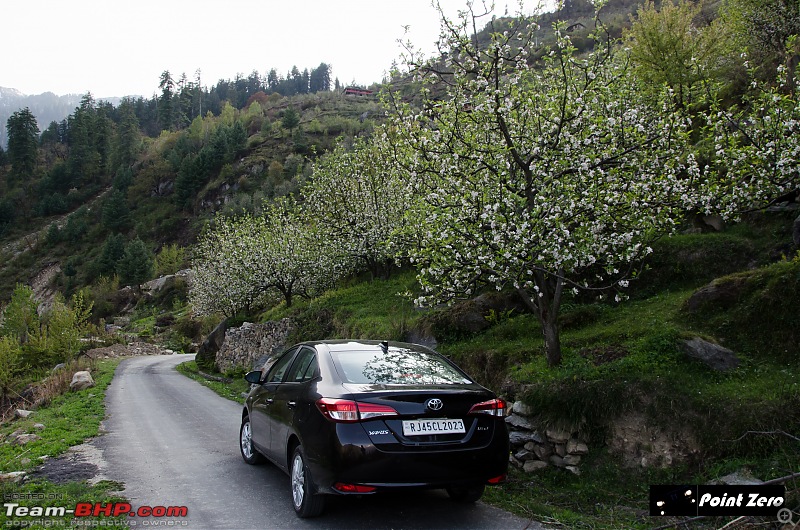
<point x="305" y="503"/>
<point x="249" y="453"/>
<point x="467" y="494"/>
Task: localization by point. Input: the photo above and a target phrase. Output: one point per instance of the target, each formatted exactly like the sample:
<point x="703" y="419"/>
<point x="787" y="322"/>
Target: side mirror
<point x="253" y="377"/>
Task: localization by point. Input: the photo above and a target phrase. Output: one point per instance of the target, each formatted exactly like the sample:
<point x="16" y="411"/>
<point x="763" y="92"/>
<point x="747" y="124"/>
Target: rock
<point x="576" y="447"/>
<point x="468" y="317"/>
<point x="39" y="426"/>
<point x="543" y="451"/>
<point x="533" y="465"/>
<point x="207" y="352"/>
<point x="796" y="231"/>
<point x="740" y="478"/>
<point x="81" y="380"/>
<point x="530" y="446"/>
<point x="22" y="413"/>
<point x="721" y="292"/>
<point x="15" y="477"/>
<point x="574" y="470"/>
<point x="558" y="436"/>
<point x="557" y="461"/>
<point x="519" y="422"/>
<point x="714" y="221"/>
<point x="523" y="437"/>
<point x="524" y="455"/>
<point x="24" y="439"/>
<point x="561" y="450"/>
<point x="572" y="460"/>
<point x="521" y="408"/>
<point x="712" y="355"/>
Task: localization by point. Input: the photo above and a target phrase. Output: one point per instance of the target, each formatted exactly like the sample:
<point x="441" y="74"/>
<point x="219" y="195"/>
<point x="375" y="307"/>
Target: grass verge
<point x="69" y="419"/>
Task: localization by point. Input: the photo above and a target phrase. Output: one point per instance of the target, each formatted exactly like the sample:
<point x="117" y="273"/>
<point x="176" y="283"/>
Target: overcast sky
<point x="113" y="48"/>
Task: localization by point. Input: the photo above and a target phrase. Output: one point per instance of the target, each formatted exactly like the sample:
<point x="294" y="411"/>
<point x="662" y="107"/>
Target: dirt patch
<point x="82" y="462"/>
<point x="603" y="355"/>
<point x="644" y="445"/>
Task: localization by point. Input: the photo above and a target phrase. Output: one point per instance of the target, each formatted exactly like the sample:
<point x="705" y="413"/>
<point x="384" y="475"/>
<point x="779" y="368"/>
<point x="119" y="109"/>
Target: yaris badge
<point x="435" y="404"/>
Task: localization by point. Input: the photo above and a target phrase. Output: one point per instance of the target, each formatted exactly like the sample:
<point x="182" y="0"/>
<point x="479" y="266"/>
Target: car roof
<point x="342" y="345"/>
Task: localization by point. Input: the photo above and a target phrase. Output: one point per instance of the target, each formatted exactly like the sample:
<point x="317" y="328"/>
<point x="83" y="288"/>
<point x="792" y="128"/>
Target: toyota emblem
<point x="435" y="404"/>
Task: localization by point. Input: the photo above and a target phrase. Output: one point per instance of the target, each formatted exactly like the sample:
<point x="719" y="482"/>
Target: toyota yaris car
<point x="357" y="417"/>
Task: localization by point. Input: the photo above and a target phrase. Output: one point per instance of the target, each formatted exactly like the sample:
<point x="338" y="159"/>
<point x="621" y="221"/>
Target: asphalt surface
<point x="174" y="442"/>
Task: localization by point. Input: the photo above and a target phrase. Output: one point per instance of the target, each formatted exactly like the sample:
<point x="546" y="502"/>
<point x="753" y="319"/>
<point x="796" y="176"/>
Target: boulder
<point x="15" y="477"/>
<point x="21" y="413"/>
<point x="723" y="293"/>
<point x="739" y="478"/>
<point x="207" y="352"/>
<point x="81" y="380"/>
<point x="796" y="231"/>
<point x="712" y="355"/>
<point x="24" y="439"/>
<point x="468" y="317"/>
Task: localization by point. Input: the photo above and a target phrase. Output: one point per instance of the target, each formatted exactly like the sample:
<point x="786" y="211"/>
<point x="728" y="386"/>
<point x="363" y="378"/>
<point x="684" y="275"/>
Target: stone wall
<point x="533" y="449"/>
<point x="249" y="346"/>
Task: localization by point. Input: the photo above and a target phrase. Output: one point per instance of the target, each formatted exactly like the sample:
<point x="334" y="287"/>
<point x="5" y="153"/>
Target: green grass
<point x="232" y="390"/>
<point x="70" y="419"/>
<point x="369" y="309"/>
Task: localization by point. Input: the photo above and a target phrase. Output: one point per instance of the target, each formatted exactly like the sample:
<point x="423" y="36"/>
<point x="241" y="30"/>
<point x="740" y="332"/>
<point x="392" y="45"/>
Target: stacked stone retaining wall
<point x="251" y="345"/>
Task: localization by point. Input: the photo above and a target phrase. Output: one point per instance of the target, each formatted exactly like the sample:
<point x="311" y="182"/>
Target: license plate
<point x="432" y="426"/>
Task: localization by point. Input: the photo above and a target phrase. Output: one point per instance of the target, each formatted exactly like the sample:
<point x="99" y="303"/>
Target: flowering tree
<point x="536" y="178"/>
<point x="241" y="262"/>
<point x="223" y="277"/>
<point x="361" y="201"/>
<point x="756" y="158"/>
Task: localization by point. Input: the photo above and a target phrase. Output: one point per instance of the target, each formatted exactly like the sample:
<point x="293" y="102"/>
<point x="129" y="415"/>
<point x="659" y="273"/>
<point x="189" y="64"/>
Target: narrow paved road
<point x="174" y="442"/>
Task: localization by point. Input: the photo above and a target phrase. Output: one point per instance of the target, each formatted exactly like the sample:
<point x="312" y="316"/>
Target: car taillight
<point x="498" y="479"/>
<point x="347" y="411"/>
<point x="493" y="407"/>
<point x="353" y="488"/>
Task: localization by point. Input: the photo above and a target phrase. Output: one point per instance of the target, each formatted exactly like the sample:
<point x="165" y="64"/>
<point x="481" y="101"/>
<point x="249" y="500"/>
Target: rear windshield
<point x="398" y="366"/>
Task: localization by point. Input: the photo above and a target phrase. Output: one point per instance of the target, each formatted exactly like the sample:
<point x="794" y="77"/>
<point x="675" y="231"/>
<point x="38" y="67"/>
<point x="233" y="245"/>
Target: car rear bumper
<point x="359" y="461"/>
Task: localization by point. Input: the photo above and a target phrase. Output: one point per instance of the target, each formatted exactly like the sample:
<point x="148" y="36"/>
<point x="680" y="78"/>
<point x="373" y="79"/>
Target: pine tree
<point x="23" y="143"/>
<point x="136" y="264"/>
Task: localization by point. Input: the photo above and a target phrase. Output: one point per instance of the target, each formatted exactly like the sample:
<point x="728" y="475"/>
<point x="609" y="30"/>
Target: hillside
<point x="106" y="207"/>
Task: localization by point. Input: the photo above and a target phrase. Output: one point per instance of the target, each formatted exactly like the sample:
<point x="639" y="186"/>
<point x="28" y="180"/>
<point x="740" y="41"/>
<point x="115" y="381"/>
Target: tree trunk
<point x="552" y="340"/>
<point x="546" y="304"/>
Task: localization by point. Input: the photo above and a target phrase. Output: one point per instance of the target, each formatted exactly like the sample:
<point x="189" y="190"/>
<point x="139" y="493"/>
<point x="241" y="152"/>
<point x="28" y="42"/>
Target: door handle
<point x="268" y="401"/>
<point x="291" y="404"/>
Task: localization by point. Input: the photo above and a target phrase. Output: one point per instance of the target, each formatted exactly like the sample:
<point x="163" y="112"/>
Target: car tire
<point x="249" y="453"/>
<point x="305" y="503"/>
<point x="466" y="494"/>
